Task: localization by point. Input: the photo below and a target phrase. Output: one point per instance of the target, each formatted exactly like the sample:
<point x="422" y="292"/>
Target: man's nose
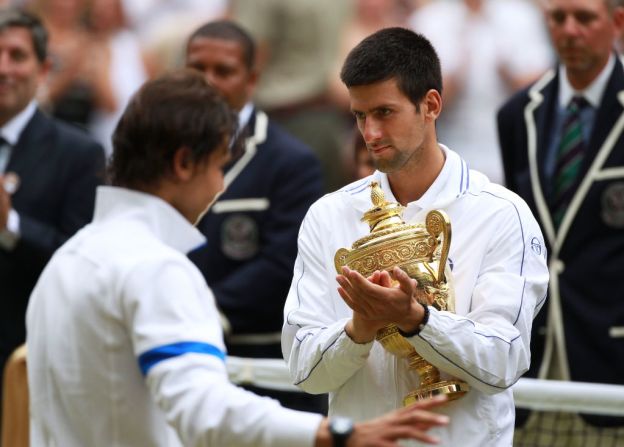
<point x="571" y="26"/>
<point x="371" y="130"/>
<point x="210" y="77"/>
<point x="5" y="61"/>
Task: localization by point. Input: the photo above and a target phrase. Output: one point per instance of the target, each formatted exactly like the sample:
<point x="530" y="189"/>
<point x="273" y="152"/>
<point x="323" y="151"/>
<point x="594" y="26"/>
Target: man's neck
<point x="581" y="79"/>
<point x="412" y="182"/>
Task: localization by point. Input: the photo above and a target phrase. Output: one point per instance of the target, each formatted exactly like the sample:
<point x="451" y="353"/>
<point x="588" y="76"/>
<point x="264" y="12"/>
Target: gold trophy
<point x="421" y="251"/>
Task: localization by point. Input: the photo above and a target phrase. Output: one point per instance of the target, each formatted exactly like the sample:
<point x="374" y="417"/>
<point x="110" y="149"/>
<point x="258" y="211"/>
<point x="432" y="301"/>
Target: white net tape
<point x="554" y="422"/>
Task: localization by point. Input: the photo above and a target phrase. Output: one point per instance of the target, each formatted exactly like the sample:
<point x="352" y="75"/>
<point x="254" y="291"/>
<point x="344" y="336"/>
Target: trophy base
<point x="452" y="389"/>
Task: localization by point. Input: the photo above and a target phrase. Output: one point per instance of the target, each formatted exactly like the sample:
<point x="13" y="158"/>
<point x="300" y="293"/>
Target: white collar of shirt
<point x="593" y="93"/>
<point x="163" y="220"/>
<point x="12" y="130"/>
<point x="244" y="115"/>
<point x="453" y="181"/>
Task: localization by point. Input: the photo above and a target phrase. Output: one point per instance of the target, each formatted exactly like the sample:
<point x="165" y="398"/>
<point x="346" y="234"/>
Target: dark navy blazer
<point x="586" y="253"/>
<point x="252" y="235"/>
<point x="59" y="167"/>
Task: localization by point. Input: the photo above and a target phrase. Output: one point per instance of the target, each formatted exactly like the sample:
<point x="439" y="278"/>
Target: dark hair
<point x="228" y="30"/>
<point x="395" y="53"/>
<point x="14" y="17"/>
<point x="178" y="109"/>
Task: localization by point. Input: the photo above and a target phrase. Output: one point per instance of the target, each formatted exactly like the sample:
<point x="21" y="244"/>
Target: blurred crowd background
<point x="103" y="50"/>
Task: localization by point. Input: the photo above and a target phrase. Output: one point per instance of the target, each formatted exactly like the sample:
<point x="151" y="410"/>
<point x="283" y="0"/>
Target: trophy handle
<point x="340" y="259"/>
<point x="438" y="223"/>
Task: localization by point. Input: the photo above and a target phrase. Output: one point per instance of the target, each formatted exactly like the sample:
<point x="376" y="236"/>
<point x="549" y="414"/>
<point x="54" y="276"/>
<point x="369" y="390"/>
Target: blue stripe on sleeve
<point x="149" y="359"/>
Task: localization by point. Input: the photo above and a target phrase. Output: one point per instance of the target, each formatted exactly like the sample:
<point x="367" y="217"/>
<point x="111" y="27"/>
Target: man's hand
<point x="378" y="301"/>
<point x="405" y="423"/>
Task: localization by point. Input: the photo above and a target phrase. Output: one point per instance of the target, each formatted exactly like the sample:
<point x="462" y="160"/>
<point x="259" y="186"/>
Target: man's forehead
<point x="212" y="41"/>
<point x="574" y="5"/>
<point x="376" y="95"/>
<point x="17" y="37"/>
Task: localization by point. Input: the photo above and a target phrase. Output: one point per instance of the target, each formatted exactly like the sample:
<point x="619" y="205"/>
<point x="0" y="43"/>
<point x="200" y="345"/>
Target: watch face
<point x="341" y="425"/>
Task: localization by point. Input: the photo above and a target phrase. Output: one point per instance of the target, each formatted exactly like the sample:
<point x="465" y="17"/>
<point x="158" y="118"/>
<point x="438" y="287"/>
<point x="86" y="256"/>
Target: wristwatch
<point x="340" y="429"/>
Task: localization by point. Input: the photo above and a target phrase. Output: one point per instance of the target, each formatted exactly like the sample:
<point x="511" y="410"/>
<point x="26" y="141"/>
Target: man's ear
<point x="432" y="105"/>
<point x="618" y="20"/>
<point x="182" y="165"/>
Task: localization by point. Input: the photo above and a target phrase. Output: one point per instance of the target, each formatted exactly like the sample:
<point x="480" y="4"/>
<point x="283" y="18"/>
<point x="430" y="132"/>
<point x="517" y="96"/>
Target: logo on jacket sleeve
<point x="612" y="202"/>
<point x="536" y="246"/>
<point x="239" y="237"/>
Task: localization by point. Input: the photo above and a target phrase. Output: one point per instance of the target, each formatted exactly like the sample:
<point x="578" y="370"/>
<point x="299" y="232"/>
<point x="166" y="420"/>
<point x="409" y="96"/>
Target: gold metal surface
<point x="422" y="252"/>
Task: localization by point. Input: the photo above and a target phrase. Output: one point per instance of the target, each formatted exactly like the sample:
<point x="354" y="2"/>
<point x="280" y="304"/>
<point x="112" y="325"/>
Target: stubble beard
<point x="398" y="161"/>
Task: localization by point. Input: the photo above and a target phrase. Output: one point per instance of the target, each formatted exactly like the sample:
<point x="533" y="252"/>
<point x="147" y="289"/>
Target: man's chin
<point x="384" y="166"/>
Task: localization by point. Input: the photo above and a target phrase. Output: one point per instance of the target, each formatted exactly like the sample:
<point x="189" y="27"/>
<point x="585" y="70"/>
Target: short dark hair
<point x="395" y="53"/>
<point x="17" y="18"/>
<point x="178" y="109"/>
<point x="228" y="30"/>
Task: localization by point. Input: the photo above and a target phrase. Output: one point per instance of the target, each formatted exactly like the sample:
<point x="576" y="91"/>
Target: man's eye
<point x="584" y="17"/>
<point x="223" y="71"/>
<point x="18" y="55"/>
<point x="557" y="17"/>
<point x="358" y="115"/>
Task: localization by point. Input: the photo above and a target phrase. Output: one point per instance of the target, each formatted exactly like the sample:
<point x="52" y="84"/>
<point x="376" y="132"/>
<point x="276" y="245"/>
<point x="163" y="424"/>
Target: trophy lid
<point x="383" y="214"/>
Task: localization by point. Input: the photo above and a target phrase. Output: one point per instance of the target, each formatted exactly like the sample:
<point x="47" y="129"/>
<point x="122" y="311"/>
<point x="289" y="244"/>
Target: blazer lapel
<point x="238" y="145"/>
<point x="545" y="119"/>
<point x="539" y="116"/>
<point x="606" y="116"/>
<point x="608" y="128"/>
<point x="32" y="146"/>
<point x="254" y="134"/>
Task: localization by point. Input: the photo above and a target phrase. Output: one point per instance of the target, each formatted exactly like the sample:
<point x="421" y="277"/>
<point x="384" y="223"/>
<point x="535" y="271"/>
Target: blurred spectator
<point x="72" y="92"/>
<point x="97" y="63"/>
<point x="563" y="150"/>
<point x="297" y="53"/>
<point x="162" y="25"/>
<point x="488" y="49"/>
<point x="48" y="174"/>
<point x="369" y="16"/>
<point x="252" y="228"/>
<point x="119" y="66"/>
<point x="356" y="156"/>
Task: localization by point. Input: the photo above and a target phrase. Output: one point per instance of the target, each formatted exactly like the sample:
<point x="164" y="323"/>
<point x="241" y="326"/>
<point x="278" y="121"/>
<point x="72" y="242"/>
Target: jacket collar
<point x="594" y="91"/>
<point x="454" y="181"/>
<point x="12" y="130"/>
<point x="164" y="221"/>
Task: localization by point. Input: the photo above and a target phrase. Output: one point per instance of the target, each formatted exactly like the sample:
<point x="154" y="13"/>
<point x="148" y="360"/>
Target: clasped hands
<point x="379" y="300"/>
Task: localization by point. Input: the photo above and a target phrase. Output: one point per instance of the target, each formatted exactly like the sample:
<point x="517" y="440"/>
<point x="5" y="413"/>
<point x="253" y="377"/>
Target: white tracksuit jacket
<point x="125" y="345"/>
<point x="498" y="261"/>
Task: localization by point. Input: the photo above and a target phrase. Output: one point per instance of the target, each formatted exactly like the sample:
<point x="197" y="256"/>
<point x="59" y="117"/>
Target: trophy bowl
<point x="421" y="250"/>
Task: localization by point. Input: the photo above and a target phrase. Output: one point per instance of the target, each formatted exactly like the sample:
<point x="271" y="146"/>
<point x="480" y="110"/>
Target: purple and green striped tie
<point x="569" y="158"/>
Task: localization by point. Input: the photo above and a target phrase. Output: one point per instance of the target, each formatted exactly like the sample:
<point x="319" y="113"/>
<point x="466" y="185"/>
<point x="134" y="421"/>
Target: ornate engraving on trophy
<point x="422" y="252"/>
